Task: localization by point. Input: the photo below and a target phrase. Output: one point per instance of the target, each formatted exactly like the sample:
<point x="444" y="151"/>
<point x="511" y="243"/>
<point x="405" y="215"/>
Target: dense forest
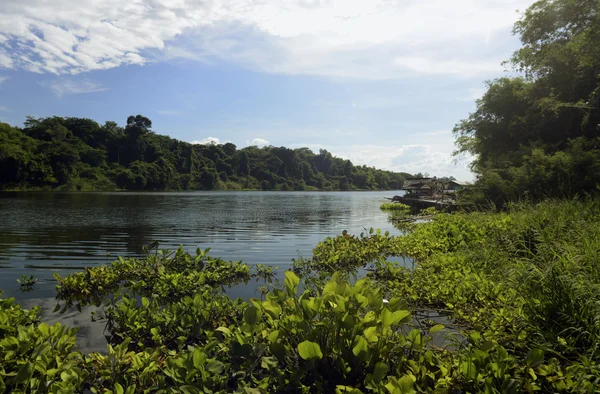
<point x="80" y="154"/>
<point x="537" y="135"/>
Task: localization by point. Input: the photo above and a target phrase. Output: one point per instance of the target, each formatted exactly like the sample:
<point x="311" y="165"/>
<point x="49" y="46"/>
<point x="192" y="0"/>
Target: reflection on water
<point x="44" y="233"/>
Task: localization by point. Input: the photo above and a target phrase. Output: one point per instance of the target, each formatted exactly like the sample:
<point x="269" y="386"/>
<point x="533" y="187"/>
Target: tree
<point x="137" y="126"/>
<point x="526" y="129"/>
<point x="59" y="152"/>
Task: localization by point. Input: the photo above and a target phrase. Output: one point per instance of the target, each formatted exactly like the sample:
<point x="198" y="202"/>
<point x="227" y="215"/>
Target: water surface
<point x="43" y="233"/>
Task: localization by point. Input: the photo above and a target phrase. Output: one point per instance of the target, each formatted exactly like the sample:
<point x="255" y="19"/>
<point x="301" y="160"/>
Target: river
<point x="43" y="233"/>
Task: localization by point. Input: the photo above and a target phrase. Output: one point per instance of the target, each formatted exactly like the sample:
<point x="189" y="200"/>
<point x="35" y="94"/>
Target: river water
<point x="43" y="233"/>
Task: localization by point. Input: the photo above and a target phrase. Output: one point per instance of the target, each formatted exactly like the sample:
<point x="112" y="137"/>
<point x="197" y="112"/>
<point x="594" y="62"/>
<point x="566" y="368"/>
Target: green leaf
<point x="389" y="318"/>
<point x="371" y="334"/>
<point x="189" y="390"/>
<point x="361" y="348"/>
<point x="278" y="349"/>
<point x="24" y="373"/>
<point x="251" y="315"/>
<point x="118" y="389"/>
<point x="469" y="370"/>
<point x="380" y="372"/>
<point x="310" y="350"/>
<point x="436" y="328"/>
<point x="215" y="367"/>
<point x="44" y="329"/>
<point x="272" y="309"/>
<point x="224" y="330"/>
<point x="145" y="302"/>
<point x="291" y="282"/>
<point x="405" y="384"/>
<point x="339" y="389"/>
<point x="535" y="357"/>
<point x="401" y="317"/>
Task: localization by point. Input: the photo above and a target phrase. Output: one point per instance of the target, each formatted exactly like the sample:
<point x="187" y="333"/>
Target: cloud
<point x="4" y="109"/>
<point x="169" y="112"/>
<point x="408" y="158"/>
<point x="207" y="141"/>
<point x="258" y="142"/>
<point x="375" y="39"/>
<point x="62" y="86"/>
<point x="3" y="79"/>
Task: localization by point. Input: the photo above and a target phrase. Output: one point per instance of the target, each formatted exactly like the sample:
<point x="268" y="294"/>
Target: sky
<point x="379" y="82"/>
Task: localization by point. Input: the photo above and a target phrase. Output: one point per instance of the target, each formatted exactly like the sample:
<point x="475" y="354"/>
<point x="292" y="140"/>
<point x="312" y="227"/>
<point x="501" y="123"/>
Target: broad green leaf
<point x="469" y="370"/>
<point x="291" y="282"/>
<point x="215" y="367"/>
<point x="272" y="309"/>
<point x="189" y="390"/>
<point x="278" y="349"/>
<point x="44" y="329"/>
<point x="535" y="357"/>
<point x="389" y="318"/>
<point x="380" y="372"/>
<point x="251" y="315"/>
<point x="406" y="384"/>
<point x="361" y="348"/>
<point x="273" y="336"/>
<point x="118" y="389"/>
<point x="401" y="317"/>
<point x="310" y="350"/>
<point x="339" y="389"/>
<point x="371" y="334"/>
<point x="224" y="330"/>
<point x="436" y="328"/>
<point x="24" y="374"/>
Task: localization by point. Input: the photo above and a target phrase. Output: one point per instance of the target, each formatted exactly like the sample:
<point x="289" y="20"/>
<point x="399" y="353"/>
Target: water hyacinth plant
<point x="517" y="290"/>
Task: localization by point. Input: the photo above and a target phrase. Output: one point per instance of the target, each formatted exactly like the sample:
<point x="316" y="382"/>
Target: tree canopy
<point x="537" y="135"/>
<point x="80" y="154"/>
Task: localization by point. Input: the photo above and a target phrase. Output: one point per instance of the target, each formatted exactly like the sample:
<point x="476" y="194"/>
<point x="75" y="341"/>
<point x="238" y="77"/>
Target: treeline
<point x="80" y="154"/>
<point x="537" y="135"/>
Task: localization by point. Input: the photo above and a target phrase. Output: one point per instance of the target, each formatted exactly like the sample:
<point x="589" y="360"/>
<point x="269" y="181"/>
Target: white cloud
<point x="408" y="158"/>
<point x="342" y="38"/>
<point x="258" y="142"/>
<point x="4" y="109"/>
<point x="3" y="78"/>
<point x="63" y="86"/>
<point x="169" y="112"/>
<point x="207" y="141"/>
<point x="429" y="152"/>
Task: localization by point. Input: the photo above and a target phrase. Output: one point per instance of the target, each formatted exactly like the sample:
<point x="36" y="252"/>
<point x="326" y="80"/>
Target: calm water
<point x="43" y="233"/>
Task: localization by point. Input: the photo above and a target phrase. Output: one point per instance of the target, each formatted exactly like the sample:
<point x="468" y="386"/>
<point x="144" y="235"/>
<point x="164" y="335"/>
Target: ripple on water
<point x="43" y="233"/>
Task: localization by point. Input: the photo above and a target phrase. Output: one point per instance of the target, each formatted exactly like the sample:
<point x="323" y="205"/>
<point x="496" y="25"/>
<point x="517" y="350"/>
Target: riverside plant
<point x="519" y="288"/>
<point x="394" y="206"/>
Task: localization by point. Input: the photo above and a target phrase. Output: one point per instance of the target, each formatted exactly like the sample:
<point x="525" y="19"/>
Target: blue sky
<point x="381" y="82"/>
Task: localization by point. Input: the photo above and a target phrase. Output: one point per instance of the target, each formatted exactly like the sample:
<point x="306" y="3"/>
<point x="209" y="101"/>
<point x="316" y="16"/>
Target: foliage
<point x="394" y="207"/>
<point x="517" y="293"/>
<point x="79" y="154"/>
<point x="166" y="275"/>
<point x="27" y="282"/>
<point x="536" y="136"/>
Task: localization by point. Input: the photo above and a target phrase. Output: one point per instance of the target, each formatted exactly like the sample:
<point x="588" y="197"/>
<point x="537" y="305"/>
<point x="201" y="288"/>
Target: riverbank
<point x="521" y="289"/>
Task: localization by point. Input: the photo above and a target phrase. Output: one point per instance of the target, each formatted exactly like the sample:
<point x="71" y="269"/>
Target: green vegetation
<point x="536" y="135"/>
<point x="79" y="154"/>
<point x="27" y="282"/>
<point x="494" y="302"/>
<point x="394" y="206"/>
<point x="518" y="293"/>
